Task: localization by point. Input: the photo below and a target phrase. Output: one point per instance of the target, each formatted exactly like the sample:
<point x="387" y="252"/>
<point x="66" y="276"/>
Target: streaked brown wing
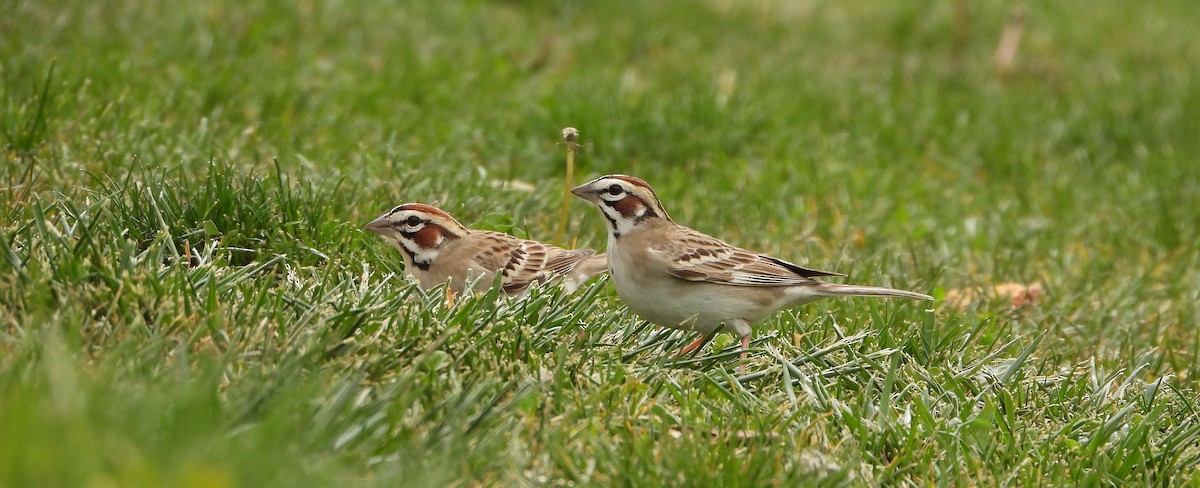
<point x="523" y="262"/>
<point x="694" y="256"/>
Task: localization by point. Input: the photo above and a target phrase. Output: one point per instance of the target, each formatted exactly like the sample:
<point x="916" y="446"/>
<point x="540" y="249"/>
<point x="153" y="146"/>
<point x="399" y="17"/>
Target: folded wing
<point x="700" y="257"/>
<point x="524" y="262"/>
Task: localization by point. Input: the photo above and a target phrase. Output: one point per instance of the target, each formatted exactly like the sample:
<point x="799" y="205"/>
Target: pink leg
<point x="693" y="346"/>
<point x="745" y="350"/>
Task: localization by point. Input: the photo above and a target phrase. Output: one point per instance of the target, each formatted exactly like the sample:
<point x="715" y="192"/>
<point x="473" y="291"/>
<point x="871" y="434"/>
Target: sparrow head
<point x="627" y="202"/>
<point x="418" y="230"/>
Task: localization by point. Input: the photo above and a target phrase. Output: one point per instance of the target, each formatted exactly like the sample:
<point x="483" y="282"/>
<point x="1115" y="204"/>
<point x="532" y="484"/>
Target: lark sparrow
<point x="436" y="248"/>
<point x="677" y="277"/>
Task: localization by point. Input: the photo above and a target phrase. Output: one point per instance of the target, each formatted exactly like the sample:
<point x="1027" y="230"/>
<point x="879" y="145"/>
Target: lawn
<point x="187" y="297"/>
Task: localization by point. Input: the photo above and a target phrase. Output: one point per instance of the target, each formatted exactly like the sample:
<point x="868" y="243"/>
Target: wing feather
<point x="694" y="256"/>
<point x="523" y="262"/>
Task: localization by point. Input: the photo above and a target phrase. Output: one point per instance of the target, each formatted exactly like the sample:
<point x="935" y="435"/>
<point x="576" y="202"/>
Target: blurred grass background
<point x="186" y="297"/>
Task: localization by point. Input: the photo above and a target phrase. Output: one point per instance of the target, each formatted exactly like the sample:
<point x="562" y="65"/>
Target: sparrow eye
<point x="615" y="189"/>
<point x="412" y="221"/>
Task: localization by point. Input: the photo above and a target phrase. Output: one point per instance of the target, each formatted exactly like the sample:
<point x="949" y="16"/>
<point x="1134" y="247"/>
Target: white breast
<point x="670" y="302"/>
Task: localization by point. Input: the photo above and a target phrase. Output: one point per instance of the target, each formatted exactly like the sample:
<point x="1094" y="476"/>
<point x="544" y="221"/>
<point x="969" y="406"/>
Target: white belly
<point x="671" y="302"/>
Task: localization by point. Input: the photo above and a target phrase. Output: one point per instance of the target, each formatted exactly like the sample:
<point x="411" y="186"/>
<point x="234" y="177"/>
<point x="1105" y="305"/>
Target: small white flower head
<point x="570" y="135"/>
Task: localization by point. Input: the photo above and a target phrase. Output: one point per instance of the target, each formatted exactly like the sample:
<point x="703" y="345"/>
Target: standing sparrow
<point x="677" y="277"/>
<point x="436" y="247"/>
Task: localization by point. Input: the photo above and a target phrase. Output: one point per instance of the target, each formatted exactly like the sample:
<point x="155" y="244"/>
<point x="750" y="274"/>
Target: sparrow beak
<point x="379" y="226"/>
<point x="582" y="191"/>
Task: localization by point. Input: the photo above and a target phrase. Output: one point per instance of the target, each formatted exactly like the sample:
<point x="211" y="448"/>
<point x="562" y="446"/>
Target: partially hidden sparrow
<point x="437" y="248"/>
<point x="679" y="278"/>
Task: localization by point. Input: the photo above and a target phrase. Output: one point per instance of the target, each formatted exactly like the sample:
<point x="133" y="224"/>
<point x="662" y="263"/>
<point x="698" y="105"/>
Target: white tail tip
<point x="831" y="289"/>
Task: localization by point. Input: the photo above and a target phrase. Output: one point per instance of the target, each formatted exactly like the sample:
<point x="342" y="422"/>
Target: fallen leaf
<point x="1020" y="295"/>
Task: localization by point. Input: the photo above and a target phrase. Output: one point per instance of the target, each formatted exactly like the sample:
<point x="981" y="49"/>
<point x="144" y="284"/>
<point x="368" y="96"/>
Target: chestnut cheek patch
<point x="630" y="207"/>
<point x="428" y="237"/>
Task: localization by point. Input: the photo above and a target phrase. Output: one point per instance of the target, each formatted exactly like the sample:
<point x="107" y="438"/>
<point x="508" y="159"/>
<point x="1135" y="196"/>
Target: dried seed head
<point x="570" y="135"/>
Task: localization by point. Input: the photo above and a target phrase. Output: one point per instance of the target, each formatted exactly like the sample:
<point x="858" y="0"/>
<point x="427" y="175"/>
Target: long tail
<point x="832" y="289"/>
<point x="591" y="266"/>
<point x="584" y="270"/>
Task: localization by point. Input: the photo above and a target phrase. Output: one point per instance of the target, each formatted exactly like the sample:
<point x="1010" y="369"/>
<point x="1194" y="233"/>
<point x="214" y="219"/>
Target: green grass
<point x="187" y="299"/>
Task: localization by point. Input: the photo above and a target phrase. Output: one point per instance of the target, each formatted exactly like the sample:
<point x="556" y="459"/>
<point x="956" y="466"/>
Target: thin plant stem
<point x="570" y="137"/>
